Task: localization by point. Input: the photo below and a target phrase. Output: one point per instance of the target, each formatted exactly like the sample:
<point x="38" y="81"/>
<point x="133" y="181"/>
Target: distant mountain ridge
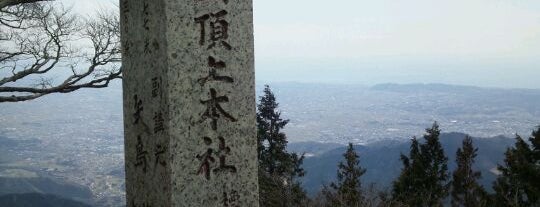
<point x="44" y="185"/>
<point x="88" y="122"/>
<point x="38" y="200"/>
<point x="366" y="114"/>
<point x="18" y="179"/>
<point x="445" y="88"/>
<point x="423" y="86"/>
<point x="383" y="164"/>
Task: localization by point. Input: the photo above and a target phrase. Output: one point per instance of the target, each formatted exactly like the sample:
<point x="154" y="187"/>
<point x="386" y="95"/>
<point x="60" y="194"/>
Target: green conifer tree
<point x="423" y="180"/>
<point x="519" y="182"/>
<point x="347" y="190"/>
<point x="405" y="187"/>
<point x="535" y="141"/>
<point x="278" y="170"/>
<point x="271" y="141"/>
<point x="466" y="191"/>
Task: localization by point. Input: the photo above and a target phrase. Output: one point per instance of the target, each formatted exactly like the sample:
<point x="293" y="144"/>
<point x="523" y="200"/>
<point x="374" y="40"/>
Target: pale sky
<point x="472" y="42"/>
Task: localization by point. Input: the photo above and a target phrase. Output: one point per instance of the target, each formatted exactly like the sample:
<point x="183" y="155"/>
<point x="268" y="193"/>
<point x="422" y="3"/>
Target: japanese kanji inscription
<point x="189" y="103"/>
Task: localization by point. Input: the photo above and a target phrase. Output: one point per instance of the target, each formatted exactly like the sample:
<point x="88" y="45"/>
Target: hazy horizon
<point x="465" y="42"/>
<point x="462" y="42"/>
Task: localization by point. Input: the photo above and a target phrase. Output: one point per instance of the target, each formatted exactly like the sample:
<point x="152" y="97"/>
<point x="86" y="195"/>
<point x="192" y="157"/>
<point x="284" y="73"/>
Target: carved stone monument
<point x="189" y="103"/>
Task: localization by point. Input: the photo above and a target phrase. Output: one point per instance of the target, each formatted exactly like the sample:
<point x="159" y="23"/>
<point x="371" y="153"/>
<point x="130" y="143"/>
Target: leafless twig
<point x="38" y="40"/>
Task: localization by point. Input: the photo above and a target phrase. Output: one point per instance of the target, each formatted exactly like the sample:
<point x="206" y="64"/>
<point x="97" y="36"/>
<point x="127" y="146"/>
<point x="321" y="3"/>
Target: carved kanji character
<point x="219" y="29"/>
<point x="146" y="15"/>
<point x="141" y="154"/>
<point x="206" y="159"/>
<point x="156" y="87"/>
<point x="138" y="109"/>
<point x="214" y="111"/>
<point x="212" y="75"/>
<point x="158" y="122"/>
<point x="231" y="199"/>
<point x="158" y="153"/>
<point x="223" y="152"/>
<point x="146" y="48"/>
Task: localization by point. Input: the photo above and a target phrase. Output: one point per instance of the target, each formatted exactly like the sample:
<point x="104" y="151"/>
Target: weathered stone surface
<point x="189" y="103"/>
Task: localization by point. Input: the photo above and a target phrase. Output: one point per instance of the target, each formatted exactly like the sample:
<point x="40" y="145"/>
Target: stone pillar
<point x="189" y="103"/>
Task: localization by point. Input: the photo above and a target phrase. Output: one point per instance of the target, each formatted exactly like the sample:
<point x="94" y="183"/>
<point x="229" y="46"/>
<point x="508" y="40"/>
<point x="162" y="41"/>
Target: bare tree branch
<point x="6" y="3"/>
<point x="38" y="40"/>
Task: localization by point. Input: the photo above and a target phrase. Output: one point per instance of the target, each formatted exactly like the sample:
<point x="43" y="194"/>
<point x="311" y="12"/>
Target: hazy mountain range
<point x="38" y="199"/>
<point x="383" y="164"/>
<point x="362" y="114"/>
<point x="74" y="142"/>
